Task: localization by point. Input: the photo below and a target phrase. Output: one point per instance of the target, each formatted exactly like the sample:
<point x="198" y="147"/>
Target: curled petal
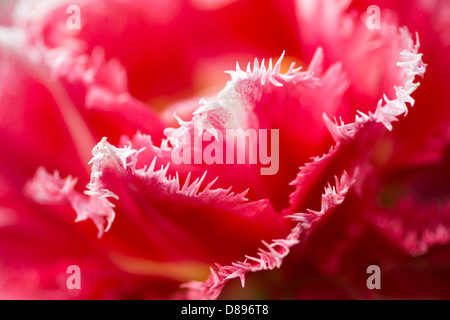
<point x="273" y="254"/>
<point x="176" y="220"/>
<point x="265" y="98"/>
<point x="45" y="188"/>
<point x="387" y="110"/>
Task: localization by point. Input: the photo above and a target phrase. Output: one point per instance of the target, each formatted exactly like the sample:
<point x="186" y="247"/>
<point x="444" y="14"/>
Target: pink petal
<point x="200" y="220"/>
<point x="51" y="189"/>
<point x="266" y="98"/>
<point x="272" y="255"/>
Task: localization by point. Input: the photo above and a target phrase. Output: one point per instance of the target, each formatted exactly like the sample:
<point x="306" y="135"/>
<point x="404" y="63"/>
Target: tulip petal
<point x="272" y="255"/>
<point x="45" y="188"/>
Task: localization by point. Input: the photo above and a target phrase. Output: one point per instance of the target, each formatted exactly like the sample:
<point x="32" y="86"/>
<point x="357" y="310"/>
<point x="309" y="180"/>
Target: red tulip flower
<point x="323" y="156"/>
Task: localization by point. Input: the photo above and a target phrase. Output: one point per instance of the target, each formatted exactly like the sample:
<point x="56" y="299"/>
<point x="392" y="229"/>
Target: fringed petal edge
<point x="272" y="255"/>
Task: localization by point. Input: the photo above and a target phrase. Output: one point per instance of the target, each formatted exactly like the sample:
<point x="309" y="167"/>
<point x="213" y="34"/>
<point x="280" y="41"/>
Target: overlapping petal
<point x="168" y="223"/>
